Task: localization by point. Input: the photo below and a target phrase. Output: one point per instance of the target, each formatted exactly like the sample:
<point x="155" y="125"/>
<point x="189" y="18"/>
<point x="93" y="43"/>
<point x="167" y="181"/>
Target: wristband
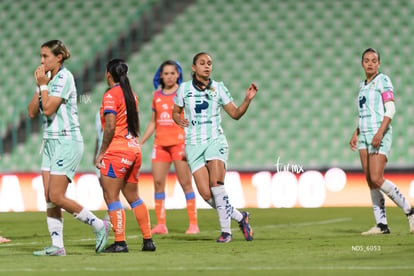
<point x="37" y="89"/>
<point x="43" y="87"/>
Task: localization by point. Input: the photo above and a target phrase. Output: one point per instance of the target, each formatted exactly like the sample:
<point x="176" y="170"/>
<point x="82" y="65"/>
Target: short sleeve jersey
<point x="202" y="109"/>
<point x="371" y="99"/>
<point x="167" y="132"/>
<point x="64" y="123"/>
<point x="114" y="102"/>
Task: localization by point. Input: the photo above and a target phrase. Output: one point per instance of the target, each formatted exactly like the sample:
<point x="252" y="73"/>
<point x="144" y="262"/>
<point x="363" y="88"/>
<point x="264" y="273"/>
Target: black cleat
<point x="148" y="245"/>
<point x="117" y="247"/>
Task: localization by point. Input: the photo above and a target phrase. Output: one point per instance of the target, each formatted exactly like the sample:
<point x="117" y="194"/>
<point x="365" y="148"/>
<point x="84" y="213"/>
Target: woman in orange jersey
<point x="168" y="146"/>
<point x="119" y="158"/>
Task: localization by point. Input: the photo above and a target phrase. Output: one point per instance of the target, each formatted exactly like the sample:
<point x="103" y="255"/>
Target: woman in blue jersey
<point x="373" y="138"/>
<point x="56" y="99"/>
<point x="205" y="143"/>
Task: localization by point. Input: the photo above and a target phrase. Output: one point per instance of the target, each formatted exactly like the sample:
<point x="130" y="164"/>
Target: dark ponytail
<point x="119" y="69"/>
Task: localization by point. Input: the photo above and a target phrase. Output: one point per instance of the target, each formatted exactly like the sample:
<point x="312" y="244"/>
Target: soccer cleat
<point x="51" y="251"/>
<point x="245" y="227"/>
<point x="102" y="237"/>
<point x="148" y="245"/>
<point x="224" y="238"/>
<point x="192" y="229"/>
<point x="160" y="229"/>
<point x="410" y="218"/>
<point x="378" y="229"/>
<point x="117" y="247"/>
<point x="3" y="239"/>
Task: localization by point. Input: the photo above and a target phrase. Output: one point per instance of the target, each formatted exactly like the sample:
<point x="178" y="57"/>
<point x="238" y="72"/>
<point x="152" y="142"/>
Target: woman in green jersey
<point x="205" y="143"/>
<point x="56" y="99"/>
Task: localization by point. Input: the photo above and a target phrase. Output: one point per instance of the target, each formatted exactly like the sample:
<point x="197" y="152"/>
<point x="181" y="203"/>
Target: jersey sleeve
<point x="109" y="103"/>
<point x="387" y="89"/>
<point x="60" y="86"/>
<point x="224" y="94"/>
<point x="179" y="98"/>
<point x="154" y="98"/>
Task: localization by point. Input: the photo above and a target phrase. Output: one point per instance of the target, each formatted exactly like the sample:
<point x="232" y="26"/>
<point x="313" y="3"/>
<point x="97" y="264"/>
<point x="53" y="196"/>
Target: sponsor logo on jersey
<point x="126" y="161"/>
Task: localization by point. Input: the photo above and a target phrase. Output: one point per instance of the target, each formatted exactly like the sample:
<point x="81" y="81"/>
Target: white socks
<point x="88" y="217"/>
<point x="55" y="227"/>
<point x="378" y="206"/>
<point x="223" y="207"/>
<point x="395" y="195"/>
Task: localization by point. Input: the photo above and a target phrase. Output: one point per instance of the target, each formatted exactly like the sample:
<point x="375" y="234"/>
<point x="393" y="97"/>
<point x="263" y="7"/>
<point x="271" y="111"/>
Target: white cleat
<point x="377" y="230"/>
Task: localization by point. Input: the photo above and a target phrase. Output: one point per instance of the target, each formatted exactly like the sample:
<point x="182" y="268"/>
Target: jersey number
<point x="200" y="106"/>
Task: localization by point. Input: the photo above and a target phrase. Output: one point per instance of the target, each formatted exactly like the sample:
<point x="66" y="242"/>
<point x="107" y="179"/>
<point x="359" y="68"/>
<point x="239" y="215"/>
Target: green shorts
<point x="198" y="155"/>
<point x="62" y="157"/>
<point x="365" y="139"/>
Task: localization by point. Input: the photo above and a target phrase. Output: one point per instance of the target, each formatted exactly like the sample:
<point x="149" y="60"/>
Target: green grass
<point x="323" y="241"/>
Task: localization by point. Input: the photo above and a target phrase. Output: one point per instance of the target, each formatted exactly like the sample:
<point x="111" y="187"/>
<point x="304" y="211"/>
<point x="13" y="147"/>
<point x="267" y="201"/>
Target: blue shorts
<point x="62" y="157"/>
<point x="365" y="139"/>
<point x="198" y="155"/>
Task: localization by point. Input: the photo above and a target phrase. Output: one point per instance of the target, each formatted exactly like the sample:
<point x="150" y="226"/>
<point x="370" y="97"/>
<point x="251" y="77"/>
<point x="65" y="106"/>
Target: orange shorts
<point x="122" y="164"/>
<point x="168" y="153"/>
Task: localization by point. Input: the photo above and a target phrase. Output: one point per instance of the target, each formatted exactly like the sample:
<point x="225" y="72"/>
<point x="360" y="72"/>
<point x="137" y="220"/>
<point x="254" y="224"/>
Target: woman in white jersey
<point x="56" y="98"/>
<point x="205" y="144"/>
<point x="373" y="138"/>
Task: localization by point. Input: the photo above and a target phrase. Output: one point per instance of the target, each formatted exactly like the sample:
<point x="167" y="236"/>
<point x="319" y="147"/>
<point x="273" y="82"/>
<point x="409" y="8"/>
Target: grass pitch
<point x="322" y="241"/>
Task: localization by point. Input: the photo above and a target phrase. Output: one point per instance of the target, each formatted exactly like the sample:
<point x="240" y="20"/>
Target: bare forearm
<point x="148" y="132"/>
<point x="384" y="125"/>
<point x="107" y="138"/>
<point x="33" y="106"/>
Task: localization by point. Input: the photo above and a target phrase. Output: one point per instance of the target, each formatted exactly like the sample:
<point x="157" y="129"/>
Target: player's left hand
<point x="376" y="141"/>
<point x="251" y="91"/>
<point x="40" y="76"/>
<point x="99" y="160"/>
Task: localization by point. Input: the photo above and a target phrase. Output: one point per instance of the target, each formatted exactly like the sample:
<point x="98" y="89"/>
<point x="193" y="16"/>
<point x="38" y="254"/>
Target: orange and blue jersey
<point x="122" y="159"/>
<point x="114" y="102"/>
<point x="167" y="132"/>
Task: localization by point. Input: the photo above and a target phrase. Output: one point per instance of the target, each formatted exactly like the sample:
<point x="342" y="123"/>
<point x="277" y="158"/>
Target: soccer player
<point x="373" y="138"/>
<point x="55" y="97"/>
<point x="119" y="158"/>
<point x="168" y="146"/>
<point x="205" y="143"/>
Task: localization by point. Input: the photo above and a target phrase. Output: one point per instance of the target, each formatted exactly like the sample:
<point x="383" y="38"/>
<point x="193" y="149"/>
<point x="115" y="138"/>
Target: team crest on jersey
<point x="213" y="92"/>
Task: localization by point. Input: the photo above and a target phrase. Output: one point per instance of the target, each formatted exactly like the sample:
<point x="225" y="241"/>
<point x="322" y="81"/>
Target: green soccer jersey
<point x="202" y="109"/>
<point x="371" y="100"/>
<point x="64" y="123"/>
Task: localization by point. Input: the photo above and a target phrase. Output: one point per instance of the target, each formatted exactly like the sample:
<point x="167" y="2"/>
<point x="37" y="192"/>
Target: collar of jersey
<point x="210" y="82"/>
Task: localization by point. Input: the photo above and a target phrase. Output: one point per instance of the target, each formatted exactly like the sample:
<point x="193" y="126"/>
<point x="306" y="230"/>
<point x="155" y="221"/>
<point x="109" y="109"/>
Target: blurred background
<point x="305" y="57"/>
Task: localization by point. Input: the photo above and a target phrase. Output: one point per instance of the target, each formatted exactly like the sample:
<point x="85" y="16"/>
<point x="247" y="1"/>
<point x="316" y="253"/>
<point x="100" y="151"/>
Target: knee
<point x="206" y="196"/>
<point x="376" y="181"/>
<point x="56" y="199"/>
<point x="159" y="184"/>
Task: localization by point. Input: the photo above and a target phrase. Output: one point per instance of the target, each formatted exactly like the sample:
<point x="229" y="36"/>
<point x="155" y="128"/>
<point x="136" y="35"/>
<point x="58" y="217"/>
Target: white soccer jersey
<point x="371" y="100"/>
<point x="64" y="123"/>
<point x="202" y="109"/>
